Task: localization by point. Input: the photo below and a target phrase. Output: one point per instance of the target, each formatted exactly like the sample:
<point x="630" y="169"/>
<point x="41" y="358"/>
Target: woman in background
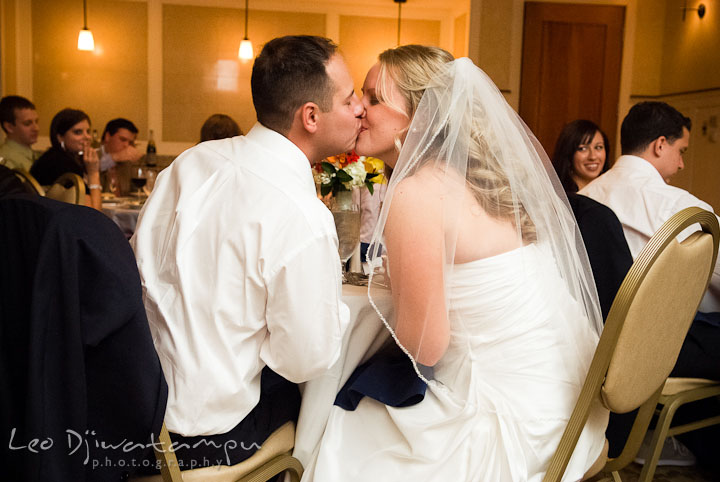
<point x="581" y="154"/>
<point x="70" y="152"/>
<point x="219" y="126"/>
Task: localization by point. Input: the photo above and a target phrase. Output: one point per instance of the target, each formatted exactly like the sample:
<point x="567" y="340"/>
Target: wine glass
<point x="347" y="223"/>
<point x="138" y="179"/>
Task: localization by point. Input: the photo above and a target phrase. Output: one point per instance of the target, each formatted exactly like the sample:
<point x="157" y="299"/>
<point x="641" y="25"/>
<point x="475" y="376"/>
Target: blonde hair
<point x="411" y="68"/>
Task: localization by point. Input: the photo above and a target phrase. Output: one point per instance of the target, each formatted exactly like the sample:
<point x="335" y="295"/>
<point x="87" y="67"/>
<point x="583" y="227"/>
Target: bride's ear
<point x="309" y="116"/>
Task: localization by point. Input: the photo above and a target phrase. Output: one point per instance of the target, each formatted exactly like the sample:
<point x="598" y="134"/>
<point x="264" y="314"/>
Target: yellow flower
<point x="374" y="165"/>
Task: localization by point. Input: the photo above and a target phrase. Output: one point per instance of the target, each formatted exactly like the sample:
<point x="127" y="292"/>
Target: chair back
<point x="69" y="188"/>
<point x="76" y="353"/>
<point x="29" y="182"/>
<point x="646" y="326"/>
<point x="664" y="304"/>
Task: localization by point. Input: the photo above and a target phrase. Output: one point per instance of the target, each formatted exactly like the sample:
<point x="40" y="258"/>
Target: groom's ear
<point x="309" y="116"/>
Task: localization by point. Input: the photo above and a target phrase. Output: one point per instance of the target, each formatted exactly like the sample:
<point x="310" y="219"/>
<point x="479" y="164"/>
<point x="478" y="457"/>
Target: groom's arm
<point x="306" y="319"/>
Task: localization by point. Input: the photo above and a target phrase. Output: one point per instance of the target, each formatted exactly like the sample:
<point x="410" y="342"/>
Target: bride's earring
<point x="62" y="144"/>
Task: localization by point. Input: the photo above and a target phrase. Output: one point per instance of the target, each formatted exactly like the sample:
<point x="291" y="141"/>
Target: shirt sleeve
<point x="306" y="319"/>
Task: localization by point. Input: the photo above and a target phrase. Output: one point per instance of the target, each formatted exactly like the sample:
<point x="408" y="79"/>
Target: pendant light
<point x="85" y="38"/>
<point x="399" y="2"/>
<point x="245" y="52"/>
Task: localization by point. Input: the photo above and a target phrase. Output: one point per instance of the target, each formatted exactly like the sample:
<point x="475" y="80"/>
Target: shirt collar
<point x="638" y="164"/>
<point x="20" y="147"/>
<point x="290" y="155"/>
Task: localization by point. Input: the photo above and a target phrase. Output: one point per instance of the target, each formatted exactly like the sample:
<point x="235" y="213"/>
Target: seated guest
<point x="219" y="126"/>
<point x="19" y="120"/>
<point x="70" y="152"/>
<point x="653" y="137"/>
<point x="238" y="258"/>
<point x="581" y="152"/>
<point x="118" y="144"/>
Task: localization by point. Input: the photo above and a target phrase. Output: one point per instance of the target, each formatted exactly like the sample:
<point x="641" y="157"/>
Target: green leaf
<point x="327" y="167"/>
<point x="325" y="189"/>
<point x="343" y="176"/>
<point x="370" y="175"/>
<point x="369" y="186"/>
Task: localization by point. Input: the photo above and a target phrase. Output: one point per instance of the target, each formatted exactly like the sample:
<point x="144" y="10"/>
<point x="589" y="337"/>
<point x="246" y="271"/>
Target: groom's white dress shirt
<point x="643" y="201"/>
<point x="239" y="266"/>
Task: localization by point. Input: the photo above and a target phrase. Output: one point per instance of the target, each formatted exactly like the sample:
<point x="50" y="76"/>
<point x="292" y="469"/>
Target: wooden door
<point x="571" y="62"/>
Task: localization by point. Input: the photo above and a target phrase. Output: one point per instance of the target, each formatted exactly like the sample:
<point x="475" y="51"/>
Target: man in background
<point x="19" y="120"/>
<point x="118" y="144"/>
<point x="653" y="137"/>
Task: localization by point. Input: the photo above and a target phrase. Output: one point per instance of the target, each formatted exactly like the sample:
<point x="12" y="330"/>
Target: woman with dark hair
<point x="70" y="152"/>
<point x="580" y="155"/>
<point x="219" y="126"/>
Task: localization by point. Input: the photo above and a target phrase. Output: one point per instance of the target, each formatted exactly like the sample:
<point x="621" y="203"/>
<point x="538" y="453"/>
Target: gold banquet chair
<point x="271" y="459"/>
<point x="675" y="393"/>
<point x="29" y="181"/>
<point x="643" y="334"/>
<point x="69" y="188"/>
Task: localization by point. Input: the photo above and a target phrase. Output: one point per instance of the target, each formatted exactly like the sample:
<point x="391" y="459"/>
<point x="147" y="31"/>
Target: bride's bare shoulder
<point x="428" y="182"/>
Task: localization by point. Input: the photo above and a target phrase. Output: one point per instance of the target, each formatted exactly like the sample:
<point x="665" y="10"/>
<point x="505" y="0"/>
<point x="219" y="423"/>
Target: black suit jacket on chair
<point x="78" y="369"/>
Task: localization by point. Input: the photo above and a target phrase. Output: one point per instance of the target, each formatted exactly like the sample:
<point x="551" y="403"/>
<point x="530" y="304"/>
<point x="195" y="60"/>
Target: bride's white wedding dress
<point x="501" y="394"/>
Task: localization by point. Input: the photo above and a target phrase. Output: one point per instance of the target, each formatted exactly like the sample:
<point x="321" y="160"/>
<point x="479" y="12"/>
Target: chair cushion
<point x="673" y="385"/>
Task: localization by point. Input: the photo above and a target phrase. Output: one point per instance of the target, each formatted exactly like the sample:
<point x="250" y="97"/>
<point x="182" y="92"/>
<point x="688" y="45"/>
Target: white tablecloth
<point x="124" y="216"/>
<point x="365" y="335"/>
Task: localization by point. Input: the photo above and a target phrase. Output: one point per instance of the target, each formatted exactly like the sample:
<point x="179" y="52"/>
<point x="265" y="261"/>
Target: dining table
<point x="124" y="211"/>
<point x="364" y="336"/>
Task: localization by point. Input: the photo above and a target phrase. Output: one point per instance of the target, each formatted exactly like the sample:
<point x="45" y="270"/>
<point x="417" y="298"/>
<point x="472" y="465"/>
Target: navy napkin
<point x="388" y="377"/>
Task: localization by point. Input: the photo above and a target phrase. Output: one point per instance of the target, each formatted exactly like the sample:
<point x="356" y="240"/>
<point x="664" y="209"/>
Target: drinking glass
<point x="138" y="179"/>
<point x="347" y="223"/>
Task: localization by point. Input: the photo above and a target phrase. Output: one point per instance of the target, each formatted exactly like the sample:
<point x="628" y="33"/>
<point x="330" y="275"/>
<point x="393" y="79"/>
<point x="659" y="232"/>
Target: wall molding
<point x="676" y="94"/>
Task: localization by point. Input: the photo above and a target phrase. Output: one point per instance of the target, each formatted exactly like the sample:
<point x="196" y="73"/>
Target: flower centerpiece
<point x="347" y="171"/>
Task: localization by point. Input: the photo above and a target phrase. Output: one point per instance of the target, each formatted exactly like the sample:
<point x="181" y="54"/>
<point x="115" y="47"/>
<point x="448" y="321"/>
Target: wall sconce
<point x="399" y="2"/>
<point x="700" y="9"/>
<point x="85" y="37"/>
<point x="245" y="52"/>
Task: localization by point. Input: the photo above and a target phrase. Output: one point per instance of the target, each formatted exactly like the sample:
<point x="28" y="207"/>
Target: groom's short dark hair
<point x="289" y="72"/>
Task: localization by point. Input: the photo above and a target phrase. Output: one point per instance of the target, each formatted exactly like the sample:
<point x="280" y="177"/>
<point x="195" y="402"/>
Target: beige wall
<point x="169" y="64"/>
<point x="201" y="72"/>
<point x="7" y="31"/>
<point x="109" y="82"/>
<point x="648" y="58"/>
<point x="691" y="49"/>
<point x="363" y="38"/>
<point x="460" y="43"/>
<point x="496" y="41"/>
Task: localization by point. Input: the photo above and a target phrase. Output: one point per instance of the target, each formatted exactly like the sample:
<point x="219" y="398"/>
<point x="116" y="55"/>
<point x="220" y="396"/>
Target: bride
<point x="491" y="288"/>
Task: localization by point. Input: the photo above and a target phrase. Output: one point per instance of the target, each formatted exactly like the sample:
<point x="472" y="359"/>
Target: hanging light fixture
<point x="399" y="2"/>
<point x="85" y="38"/>
<point x="245" y="52"/>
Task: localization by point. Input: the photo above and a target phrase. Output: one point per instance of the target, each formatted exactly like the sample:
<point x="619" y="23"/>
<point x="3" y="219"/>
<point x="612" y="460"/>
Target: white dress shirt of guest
<point x="635" y="188"/>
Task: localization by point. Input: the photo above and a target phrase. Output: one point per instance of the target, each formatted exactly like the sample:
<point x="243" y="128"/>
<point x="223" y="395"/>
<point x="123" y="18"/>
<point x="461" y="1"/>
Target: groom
<point x="238" y="258"/>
